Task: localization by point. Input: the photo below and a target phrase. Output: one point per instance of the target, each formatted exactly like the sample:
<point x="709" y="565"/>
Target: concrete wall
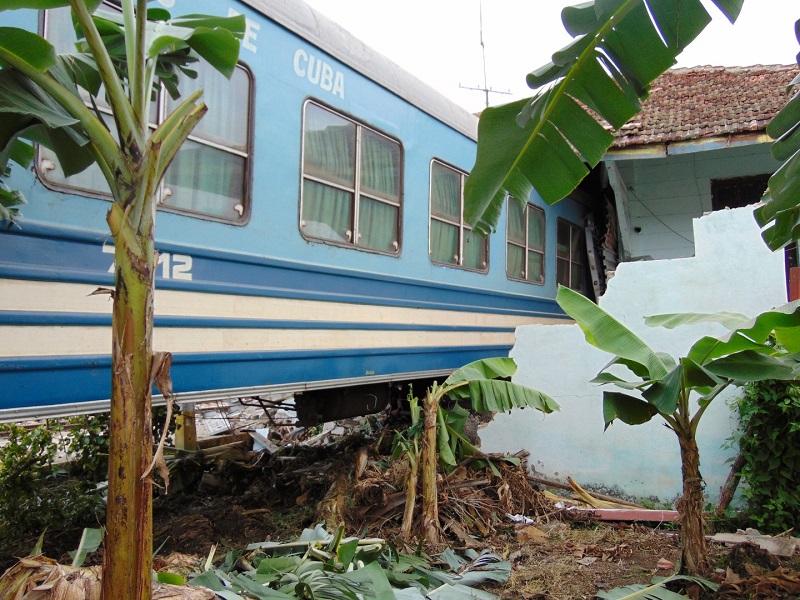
<point x="731" y="271"/>
<point x="665" y="194"/>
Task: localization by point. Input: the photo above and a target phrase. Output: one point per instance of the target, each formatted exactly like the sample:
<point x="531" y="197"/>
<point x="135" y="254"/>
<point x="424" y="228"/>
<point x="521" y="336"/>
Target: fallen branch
<point x="564" y="486"/>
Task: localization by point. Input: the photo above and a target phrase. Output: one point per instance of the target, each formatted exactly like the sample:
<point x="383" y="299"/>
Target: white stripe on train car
<point x="28" y="341"/>
<point x="44" y="296"/>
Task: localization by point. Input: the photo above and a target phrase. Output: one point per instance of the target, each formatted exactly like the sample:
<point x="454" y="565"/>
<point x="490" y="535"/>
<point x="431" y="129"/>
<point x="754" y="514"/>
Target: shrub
<point x="770" y="445"/>
<point x="37" y="492"/>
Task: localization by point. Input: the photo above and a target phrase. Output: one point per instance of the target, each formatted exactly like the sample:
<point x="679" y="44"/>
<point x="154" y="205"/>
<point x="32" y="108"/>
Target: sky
<point x="439" y="41"/>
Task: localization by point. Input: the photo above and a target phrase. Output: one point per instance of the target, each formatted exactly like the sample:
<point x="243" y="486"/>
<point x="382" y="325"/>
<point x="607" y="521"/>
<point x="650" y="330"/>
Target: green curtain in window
<point x="327" y="212"/>
<point x="577" y="277"/>
<point x="535" y="229"/>
<point x="516" y="225"/>
<point x="228" y="101"/>
<point x="515" y="264"/>
<point x="329" y="147"/>
<point x="328" y="154"/>
<point x="445" y="192"/>
<point x="202" y="178"/>
<point x="377" y="225"/>
<point x="380" y="166"/>
<point x="206" y="180"/>
<point x="535" y="267"/>
<point x="380" y="176"/>
<point x="444" y="242"/>
<point x="577" y="256"/>
<point x="445" y="202"/>
<point x="474" y="251"/>
<point x="515" y="232"/>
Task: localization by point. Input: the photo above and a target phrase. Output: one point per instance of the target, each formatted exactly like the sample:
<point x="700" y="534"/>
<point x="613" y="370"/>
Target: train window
<point x="352" y="178"/>
<point x="571" y="260"/>
<point x="525" y="242"/>
<point x="209" y="176"/>
<point x="452" y="241"/>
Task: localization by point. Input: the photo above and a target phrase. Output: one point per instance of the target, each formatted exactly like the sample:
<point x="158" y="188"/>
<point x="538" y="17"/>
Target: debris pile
<point x="472" y="499"/>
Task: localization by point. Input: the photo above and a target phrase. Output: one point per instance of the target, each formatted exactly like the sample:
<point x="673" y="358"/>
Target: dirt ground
<point x="559" y="557"/>
<point x="567" y="563"/>
<point x="232" y="499"/>
<point x="559" y="560"/>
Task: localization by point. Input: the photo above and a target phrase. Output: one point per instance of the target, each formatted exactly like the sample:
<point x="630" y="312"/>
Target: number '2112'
<point x="170" y="266"/>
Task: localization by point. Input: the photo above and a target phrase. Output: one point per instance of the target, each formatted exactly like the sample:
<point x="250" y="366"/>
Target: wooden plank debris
<point x="776" y="545"/>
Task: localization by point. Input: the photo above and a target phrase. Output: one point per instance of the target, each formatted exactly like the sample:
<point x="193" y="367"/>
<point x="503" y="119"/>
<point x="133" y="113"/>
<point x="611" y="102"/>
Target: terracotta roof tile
<point x="697" y="102"/>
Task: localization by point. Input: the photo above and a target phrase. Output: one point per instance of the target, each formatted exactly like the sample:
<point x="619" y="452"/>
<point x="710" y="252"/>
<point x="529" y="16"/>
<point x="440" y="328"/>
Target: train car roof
<point x="331" y="37"/>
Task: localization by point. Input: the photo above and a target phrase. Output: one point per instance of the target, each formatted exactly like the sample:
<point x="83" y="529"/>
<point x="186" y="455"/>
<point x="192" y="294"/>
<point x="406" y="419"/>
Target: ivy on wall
<point x="770" y="445"/>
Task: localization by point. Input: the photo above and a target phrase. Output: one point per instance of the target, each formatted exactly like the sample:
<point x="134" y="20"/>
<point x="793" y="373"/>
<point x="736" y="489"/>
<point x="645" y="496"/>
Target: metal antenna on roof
<point x="485" y="89"/>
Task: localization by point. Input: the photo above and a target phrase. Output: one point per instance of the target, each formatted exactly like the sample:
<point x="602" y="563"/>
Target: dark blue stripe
<point x="50" y="253"/>
<point x="32" y="318"/>
<point x="45" y="381"/>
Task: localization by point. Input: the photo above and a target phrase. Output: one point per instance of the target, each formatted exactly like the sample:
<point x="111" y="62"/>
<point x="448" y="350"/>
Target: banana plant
<point x="551" y="141"/>
<point x="484" y="383"/>
<point x="485" y="387"/>
<point x="10" y="200"/>
<point x="50" y="99"/>
<point x="679" y="391"/>
<point x="780" y="214"/>
<point x="406" y="444"/>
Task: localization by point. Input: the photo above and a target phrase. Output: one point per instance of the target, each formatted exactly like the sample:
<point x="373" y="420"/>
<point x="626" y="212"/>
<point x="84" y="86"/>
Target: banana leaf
<point x="606" y="333"/>
<point x="656" y="591"/>
<point x="478" y="381"/>
<point x="780" y="213"/>
<point x="550" y="142"/>
<point x="90" y="541"/>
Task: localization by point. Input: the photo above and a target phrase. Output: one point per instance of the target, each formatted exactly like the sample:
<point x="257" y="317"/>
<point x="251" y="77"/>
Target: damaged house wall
<point x="663" y="195"/>
<point x="698" y="145"/>
<point x="731" y="271"/>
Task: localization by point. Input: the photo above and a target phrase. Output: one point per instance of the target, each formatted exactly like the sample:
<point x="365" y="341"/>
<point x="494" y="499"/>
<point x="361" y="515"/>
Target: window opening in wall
<point x="352" y="182"/>
<point x="571" y="261"/>
<point x="737" y="192"/>
<point x="210" y="175"/>
<point x="525" y="242"/>
<point x="452" y="242"/>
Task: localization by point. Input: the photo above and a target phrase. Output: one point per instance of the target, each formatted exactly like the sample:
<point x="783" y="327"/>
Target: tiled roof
<point x="698" y="102"/>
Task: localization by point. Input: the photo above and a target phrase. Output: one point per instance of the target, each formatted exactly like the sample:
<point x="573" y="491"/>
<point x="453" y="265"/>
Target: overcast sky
<point x="439" y="40"/>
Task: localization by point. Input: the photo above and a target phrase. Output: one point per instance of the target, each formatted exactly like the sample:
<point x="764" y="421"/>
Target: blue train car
<point x="310" y="236"/>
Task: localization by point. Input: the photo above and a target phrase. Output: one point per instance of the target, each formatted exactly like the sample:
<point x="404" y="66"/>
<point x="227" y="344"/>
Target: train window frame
<point x="525" y="245"/>
<point x="452" y="220"/>
<point x="584" y="256"/>
<point x="359" y="193"/>
<point x="46" y="162"/>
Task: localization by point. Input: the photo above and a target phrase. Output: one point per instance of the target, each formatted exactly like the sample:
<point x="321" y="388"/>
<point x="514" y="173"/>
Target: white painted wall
<point x="731" y="271"/>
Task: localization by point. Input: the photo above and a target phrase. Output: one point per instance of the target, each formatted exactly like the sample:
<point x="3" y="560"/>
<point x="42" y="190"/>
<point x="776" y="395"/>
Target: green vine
<point x="770" y="445"/>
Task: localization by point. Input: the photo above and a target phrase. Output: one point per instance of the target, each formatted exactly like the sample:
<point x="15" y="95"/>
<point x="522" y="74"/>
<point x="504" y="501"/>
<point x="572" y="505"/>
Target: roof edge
<point x="665" y="149"/>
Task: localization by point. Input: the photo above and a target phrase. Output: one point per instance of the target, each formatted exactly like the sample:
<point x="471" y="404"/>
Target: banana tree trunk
<point x="127" y="568"/>
<point x="694" y="554"/>
<point x="411" y="493"/>
<point x="430" y="505"/>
